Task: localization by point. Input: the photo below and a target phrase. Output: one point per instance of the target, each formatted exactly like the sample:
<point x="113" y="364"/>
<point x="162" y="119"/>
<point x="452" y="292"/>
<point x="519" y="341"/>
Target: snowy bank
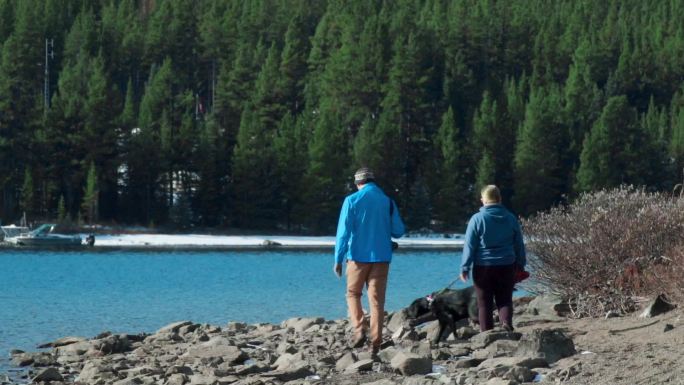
<point x="257" y="241"/>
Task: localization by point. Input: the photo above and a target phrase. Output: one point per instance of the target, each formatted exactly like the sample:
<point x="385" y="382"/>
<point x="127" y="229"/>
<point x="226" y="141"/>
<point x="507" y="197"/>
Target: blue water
<point x="46" y="295"/>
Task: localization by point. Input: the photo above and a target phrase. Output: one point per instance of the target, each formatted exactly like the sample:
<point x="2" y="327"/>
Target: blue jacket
<point x="493" y="238"/>
<point x="365" y="227"/>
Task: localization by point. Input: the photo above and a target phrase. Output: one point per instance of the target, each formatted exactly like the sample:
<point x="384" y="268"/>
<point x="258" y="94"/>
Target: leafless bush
<point x="601" y="251"/>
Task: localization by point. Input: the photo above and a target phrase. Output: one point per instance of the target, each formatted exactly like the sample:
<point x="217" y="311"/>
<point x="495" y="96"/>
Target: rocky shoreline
<point x="312" y="351"/>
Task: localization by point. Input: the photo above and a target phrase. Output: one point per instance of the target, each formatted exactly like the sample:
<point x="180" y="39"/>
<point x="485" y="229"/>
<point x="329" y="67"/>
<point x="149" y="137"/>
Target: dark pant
<point x="494" y="283"/>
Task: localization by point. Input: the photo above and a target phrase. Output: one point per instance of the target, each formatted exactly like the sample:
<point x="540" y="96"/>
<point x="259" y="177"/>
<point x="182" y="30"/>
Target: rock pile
<point x="297" y="352"/>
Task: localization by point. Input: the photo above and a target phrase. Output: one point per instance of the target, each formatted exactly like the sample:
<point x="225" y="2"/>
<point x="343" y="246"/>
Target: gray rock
<point x="345" y="361"/>
<point x="658" y="306"/>
<point x="111" y="344"/>
<point x="179" y="369"/>
<point x="301" y="324"/>
<point x="384" y="381"/>
<point x="129" y="381"/>
<point x="177" y="379"/>
<point x="397" y="320"/>
<point x="92" y="371"/>
<point x="387" y="354"/>
<point x="548" y="305"/>
<point x="293" y="372"/>
<point x="551" y="344"/>
<point x="218" y="347"/>
<point x="519" y="374"/>
<point x="236" y="326"/>
<point x="43" y="359"/>
<point x="199" y="379"/>
<point x="360" y="366"/>
<point x="48" y="374"/>
<point x="466" y="332"/>
<point x="526" y="362"/>
<point x="410" y="363"/>
<point x="61" y="342"/>
<point x="485" y="338"/>
<point x="468" y="363"/>
<point x="420" y="380"/>
<point x="22" y="359"/>
<point x="287" y="361"/>
<point x="460" y="351"/>
<point x="500" y="381"/>
<point x="75" y="349"/>
<point x="174" y="327"/>
<point x="501" y="348"/>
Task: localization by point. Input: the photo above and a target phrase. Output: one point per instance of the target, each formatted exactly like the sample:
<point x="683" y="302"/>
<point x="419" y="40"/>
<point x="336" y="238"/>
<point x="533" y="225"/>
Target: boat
<point x="44" y="236"/>
<point x="12" y="231"/>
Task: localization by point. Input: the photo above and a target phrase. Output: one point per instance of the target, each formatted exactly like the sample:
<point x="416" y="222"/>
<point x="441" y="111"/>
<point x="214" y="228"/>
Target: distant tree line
<point x="254" y="114"/>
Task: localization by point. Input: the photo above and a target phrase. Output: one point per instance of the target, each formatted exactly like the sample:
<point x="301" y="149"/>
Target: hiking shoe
<point x="507" y="327"/>
<point x="359" y="340"/>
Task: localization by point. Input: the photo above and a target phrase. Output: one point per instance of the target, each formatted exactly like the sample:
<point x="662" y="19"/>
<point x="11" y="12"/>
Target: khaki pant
<point x="374" y="276"/>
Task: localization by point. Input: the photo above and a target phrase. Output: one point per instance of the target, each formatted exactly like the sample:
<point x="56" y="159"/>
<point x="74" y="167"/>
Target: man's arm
<point x="398" y="228"/>
<point x="470" y="246"/>
<point x="343" y="232"/>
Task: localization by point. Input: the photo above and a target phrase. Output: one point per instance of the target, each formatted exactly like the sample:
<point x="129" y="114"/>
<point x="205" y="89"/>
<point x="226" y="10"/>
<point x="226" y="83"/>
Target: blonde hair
<point x="490" y="194"/>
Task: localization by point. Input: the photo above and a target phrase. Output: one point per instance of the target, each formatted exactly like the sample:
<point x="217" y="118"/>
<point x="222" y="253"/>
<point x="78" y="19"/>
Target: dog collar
<point x="430" y="299"/>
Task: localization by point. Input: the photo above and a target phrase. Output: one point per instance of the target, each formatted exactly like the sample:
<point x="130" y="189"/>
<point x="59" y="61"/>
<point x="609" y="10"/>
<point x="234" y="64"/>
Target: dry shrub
<point x="600" y="252"/>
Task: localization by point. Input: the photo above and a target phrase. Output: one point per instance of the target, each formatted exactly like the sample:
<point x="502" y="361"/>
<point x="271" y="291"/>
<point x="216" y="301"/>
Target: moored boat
<point x="44" y="236"/>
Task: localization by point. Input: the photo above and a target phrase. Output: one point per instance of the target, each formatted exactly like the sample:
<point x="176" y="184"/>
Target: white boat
<point x="12" y="231"/>
<point x="44" y="236"/>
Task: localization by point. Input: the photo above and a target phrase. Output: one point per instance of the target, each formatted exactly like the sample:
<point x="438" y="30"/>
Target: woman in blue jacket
<point x="493" y="247"/>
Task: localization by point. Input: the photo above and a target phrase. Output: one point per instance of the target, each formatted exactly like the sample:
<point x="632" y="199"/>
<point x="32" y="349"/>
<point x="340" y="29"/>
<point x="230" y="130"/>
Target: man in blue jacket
<point x="494" y="246"/>
<point x="367" y="222"/>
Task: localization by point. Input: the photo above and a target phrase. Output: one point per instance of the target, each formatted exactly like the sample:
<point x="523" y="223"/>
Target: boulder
<point x="500" y="381"/>
<point x="468" y="363"/>
<point x="287" y="360"/>
<point x="74" y="349"/>
<point x="345" y="361"/>
<point x="61" y="342"/>
<point x="22" y="359"/>
<point x="420" y="380"/>
<point x="174" y="327"/>
<point x="216" y="348"/>
<point x="397" y="320"/>
<point x="92" y="371"/>
<point x="289" y="373"/>
<point x="129" y="381"/>
<point x="551" y="344"/>
<point x="548" y="305"/>
<point x="177" y="379"/>
<point x="111" y="344"/>
<point x="658" y="306"/>
<point x="483" y="339"/>
<point x="301" y="324"/>
<point x="360" y="366"/>
<point x="48" y="374"/>
<point x="410" y="363"/>
<point x="527" y="362"/>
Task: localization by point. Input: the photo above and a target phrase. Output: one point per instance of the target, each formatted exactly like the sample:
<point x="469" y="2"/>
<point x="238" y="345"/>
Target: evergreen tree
<point x="255" y="193"/>
<point x="28" y="199"/>
<point x="89" y="207"/>
<point x="609" y="157"/>
<point x="540" y="173"/>
<point x="291" y="161"/>
<point x="452" y="180"/>
<point x="328" y="171"/>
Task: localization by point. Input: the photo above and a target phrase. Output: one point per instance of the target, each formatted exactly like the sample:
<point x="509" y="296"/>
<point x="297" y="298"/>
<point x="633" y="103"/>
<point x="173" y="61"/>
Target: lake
<point x="45" y="295"/>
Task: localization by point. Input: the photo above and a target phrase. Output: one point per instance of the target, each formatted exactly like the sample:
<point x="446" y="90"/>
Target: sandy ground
<point x="625" y="350"/>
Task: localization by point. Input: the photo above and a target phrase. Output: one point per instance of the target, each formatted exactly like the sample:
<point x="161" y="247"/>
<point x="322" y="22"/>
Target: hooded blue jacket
<point x="493" y="238"/>
<point x="365" y="227"/>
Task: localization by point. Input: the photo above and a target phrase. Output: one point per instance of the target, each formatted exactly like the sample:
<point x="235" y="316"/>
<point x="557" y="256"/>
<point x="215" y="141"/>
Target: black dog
<point x="447" y="306"/>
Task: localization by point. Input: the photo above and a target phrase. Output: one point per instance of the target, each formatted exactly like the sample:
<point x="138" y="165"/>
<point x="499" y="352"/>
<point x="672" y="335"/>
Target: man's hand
<point x="464" y="276"/>
<point x="337" y="269"/>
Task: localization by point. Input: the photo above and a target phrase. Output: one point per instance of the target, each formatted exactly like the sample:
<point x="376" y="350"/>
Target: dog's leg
<point x="422" y="319"/>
